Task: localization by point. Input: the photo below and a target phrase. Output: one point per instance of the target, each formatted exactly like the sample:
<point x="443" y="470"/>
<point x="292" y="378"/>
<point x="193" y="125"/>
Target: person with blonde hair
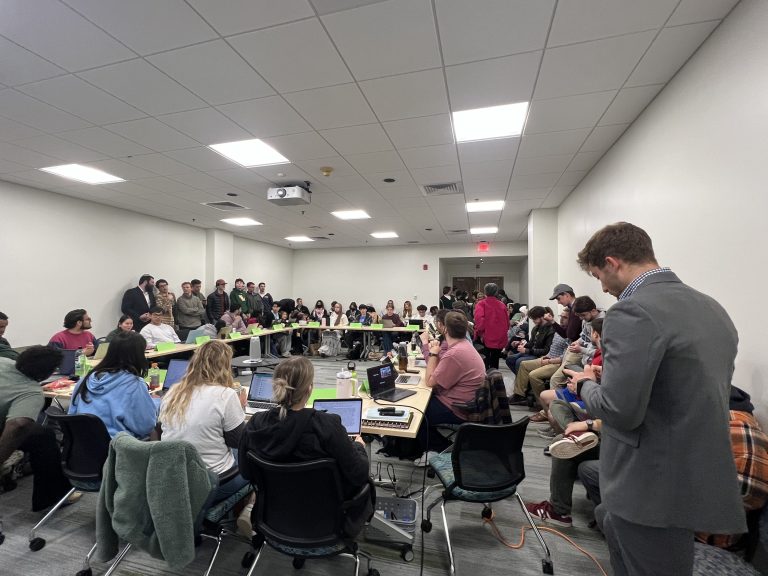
<point x="292" y="432"/>
<point x="204" y="409"/>
<point x="408" y="311"/>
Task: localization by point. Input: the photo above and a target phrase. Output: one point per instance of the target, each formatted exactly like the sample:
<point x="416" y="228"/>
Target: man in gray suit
<point x="666" y="468"/>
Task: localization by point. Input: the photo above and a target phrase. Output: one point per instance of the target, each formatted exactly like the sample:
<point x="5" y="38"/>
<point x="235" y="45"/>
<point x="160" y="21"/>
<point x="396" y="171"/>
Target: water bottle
<point x="343" y="384"/>
<point x="79" y="362"/>
<point x="402" y="356"/>
<point x="255" y="349"/>
<point x="154" y="376"/>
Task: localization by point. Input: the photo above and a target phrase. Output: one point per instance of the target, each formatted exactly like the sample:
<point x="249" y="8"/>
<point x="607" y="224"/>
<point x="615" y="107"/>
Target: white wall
<point x="542" y="255"/>
<point x="380" y="273"/>
<point x="510" y="271"/>
<point x="691" y="171"/>
<point x="259" y="262"/>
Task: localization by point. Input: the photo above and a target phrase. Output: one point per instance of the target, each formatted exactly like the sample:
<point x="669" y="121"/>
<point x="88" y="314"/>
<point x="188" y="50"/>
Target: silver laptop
<point x="387" y="323"/>
<point x="408" y="379"/>
<point x="260" y="396"/>
<point x="350" y="410"/>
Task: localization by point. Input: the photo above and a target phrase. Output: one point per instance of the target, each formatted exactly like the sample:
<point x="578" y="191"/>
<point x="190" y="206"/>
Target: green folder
<point x="277" y="326"/>
<point x="202" y="340"/>
<point x="412" y="327"/>
<point x="377" y="326"/>
<point x="255" y="330"/>
<point x="313" y="324"/>
<point x="295" y="324"/>
<point x="165" y="346"/>
<point x="322" y="394"/>
<point x="234" y="335"/>
<point x="355" y="325"/>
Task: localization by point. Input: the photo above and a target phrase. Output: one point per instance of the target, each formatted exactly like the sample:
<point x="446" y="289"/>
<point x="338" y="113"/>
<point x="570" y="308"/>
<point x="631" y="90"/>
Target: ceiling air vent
<point x="456" y="232"/>
<point x="448" y="189"/>
<point x="224" y="206"/>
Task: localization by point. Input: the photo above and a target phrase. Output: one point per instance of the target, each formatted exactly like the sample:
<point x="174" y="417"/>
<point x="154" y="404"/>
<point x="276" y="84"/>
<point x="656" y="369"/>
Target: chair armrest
<point x="361" y="495"/>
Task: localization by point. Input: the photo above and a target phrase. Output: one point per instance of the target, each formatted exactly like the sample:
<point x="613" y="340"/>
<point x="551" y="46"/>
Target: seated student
<point x="21" y="400"/>
<point x="439" y="323"/>
<point x="454" y="375"/>
<point x="124" y="324"/>
<point x="156" y="331"/>
<point x="294" y="433"/>
<point x="421" y="314"/>
<point x="205" y="410"/>
<point x="352" y="313"/>
<point x="331" y="342"/>
<point x="212" y="330"/>
<point x="300" y="307"/>
<point x="408" y="311"/>
<point x="115" y="390"/>
<point x="234" y="318"/>
<point x="5" y="347"/>
<point x="433" y="310"/>
<point x="365" y="319"/>
<point x="540" y="339"/>
<point x="75" y="336"/>
<point x="389" y="338"/>
<point x="281" y="343"/>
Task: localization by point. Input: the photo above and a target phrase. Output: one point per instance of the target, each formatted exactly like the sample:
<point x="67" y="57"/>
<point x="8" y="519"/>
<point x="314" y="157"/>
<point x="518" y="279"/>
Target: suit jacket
<point x="665" y="460"/>
<point x="134" y="304"/>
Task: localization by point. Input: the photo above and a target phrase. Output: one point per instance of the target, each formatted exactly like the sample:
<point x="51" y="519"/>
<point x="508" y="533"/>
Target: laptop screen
<point x="381" y="379"/>
<point x="261" y="387"/>
<point x="350" y="410"/>
<point x="67" y="366"/>
<point x="419" y="323"/>
<point x="176" y="370"/>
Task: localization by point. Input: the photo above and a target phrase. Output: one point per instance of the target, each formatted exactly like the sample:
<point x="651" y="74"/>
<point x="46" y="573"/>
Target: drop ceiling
<point x="140" y="88"/>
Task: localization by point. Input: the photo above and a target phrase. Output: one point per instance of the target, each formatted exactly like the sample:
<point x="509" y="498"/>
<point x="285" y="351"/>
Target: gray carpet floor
<point x="69" y="534"/>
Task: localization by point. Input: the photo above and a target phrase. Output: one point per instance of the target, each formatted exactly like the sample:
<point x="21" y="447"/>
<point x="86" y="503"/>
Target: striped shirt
<point x="558" y="347"/>
<point x="635" y="284"/>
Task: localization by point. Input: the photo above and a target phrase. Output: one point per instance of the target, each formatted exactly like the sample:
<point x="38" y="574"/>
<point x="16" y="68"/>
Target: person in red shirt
<point x="491" y="325"/>
<point x="76" y="335"/>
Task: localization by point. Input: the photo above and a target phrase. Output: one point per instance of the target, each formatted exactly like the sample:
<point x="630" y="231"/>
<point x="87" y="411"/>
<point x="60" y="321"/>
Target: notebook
<point x="381" y="380"/>
<point x="350" y="410"/>
<point x="260" y="394"/>
<point x="101" y="351"/>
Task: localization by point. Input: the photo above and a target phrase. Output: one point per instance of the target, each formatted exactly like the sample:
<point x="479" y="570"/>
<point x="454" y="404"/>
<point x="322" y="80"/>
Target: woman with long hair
<point x="125" y="324"/>
<point x="115" y="390"/>
<point x="294" y="433"/>
<point x="204" y="409"/>
<point x="331" y="343"/>
<point x="408" y="312"/>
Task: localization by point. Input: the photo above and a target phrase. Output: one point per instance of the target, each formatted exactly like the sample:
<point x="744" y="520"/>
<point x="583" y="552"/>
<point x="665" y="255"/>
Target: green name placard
<point x="295" y="324"/>
<point x="255" y="330"/>
<point x="377" y="326"/>
<point x="355" y="325"/>
<point x="165" y="346"/>
<point x="313" y="324"/>
<point x="202" y="340"/>
<point x="412" y="327"/>
<point x="233" y="335"/>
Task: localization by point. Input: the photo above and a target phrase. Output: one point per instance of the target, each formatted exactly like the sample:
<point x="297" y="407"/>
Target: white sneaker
<point x="15" y="457"/>
<point x="425" y="458"/>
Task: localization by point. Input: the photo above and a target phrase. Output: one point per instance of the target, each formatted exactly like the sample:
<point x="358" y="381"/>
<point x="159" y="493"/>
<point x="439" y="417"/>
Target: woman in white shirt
<point x="205" y="410"/>
<point x="331" y="344"/>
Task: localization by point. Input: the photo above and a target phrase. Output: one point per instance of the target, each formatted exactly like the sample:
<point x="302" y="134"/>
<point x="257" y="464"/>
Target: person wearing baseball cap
<point x="218" y="301"/>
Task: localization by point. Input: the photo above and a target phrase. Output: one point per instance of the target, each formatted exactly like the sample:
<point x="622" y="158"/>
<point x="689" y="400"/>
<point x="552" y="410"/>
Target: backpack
<point x="355" y="351"/>
<point x="402" y="448"/>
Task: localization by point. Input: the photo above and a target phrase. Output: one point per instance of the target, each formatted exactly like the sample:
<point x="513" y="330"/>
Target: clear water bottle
<point x="255" y="349"/>
<point x="79" y="362"/>
<point x="154" y="377"/>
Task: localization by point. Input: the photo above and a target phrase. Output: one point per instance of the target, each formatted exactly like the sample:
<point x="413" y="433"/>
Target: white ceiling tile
<point x="265" y="117"/>
<point x="8" y="166"/>
<point x="585" y="160"/>
<point x="493" y="82"/>
<point x="305" y="146"/>
<point x="199" y="181"/>
<point x="37" y="178"/>
<point x="486" y="150"/>
<point x="689" y="11"/>
<point x="386" y="38"/>
<point x="571" y="177"/>
<point x="376" y="162"/>
<point x="590" y="66"/>
<point x="553" y="143"/>
<point x="147" y="26"/>
<point x="163" y="185"/>
<point x="603" y="137"/>
<point x="429" y="156"/>
<point x="542" y="164"/>
<point x="242" y="178"/>
<point x="557" y="196"/>
<point x="57" y="33"/>
<point x="153" y="134"/>
<point x="10" y="130"/>
<point x="581" y="20"/>
<point x="142" y="85"/>
<point x="485" y="188"/>
<point x="376" y="179"/>
<point x="669" y="52"/>
<point x="207" y="126"/>
<point x="436" y="175"/>
<point x="407" y="95"/>
<point x="567" y="113"/>
<point x="26" y="156"/>
<point x="358" y="139"/>
<point x="104" y="141"/>
<point x="77" y="97"/>
<point x="203" y="159"/>
<point x="529" y="194"/>
<point x="22" y="108"/>
<point x="309" y="60"/>
<point x="159" y="164"/>
<point x="505" y="27"/>
<point x="290" y="173"/>
<point x="340" y="166"/>
<point x="58" y="148"/>
<point x="19" y="66"/>
<point x="351" y="183"/>
<point x="497" y="169"/>
<point x="417" y="132"/>
<point x="122" y="169"/>
<point x="332" y="107"/>
<point x="236" y="16"/>
<point x="629" y="103"/>
<point x="532" y="181"/>
<point x="213" y="71"/>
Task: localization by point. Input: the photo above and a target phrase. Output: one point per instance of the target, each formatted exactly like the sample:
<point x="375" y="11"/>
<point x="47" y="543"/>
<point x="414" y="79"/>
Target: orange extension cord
<point x="519" y="545"/>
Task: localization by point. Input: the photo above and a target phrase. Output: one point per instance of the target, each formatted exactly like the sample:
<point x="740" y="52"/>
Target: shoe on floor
<point x="547" y="432"/>
<point x="517" y="400"/>
<point x="15" y="457"/>
<point x="574" y="444"/>
<point x="425" y="458"/>
<point x="74" y="498"/>
<point x="540" y="416"/>
<point x="544" y="511"/>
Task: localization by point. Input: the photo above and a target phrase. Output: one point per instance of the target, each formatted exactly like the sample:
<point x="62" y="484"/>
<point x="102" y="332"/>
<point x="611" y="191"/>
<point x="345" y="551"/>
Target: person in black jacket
<point x="137" y="302"/>
<point x="293" y="433"/>
<point x="540" y="340"/>
<point x="218" y="301"/>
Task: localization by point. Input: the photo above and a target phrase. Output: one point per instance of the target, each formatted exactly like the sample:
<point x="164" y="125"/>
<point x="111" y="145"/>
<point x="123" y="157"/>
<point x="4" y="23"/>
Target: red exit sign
<point x="483" y="246"/>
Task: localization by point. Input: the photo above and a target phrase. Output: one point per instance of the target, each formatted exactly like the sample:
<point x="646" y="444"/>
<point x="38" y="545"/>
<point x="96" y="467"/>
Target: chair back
<point x="298" y="504"/>
<point x="491" y="405"/>
<point x="86" y="445"/>
<point x="488" y="458"/>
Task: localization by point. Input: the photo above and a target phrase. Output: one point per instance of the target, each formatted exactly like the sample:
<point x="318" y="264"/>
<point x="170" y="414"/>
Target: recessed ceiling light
<point x="351" y="214"/>
<point x="250" y="153"/>
<point x="299" y="239"/>
<point x="488" y="123"/>
<point x="82" y="174"/>
<point x="485" y="230"/>
<point x="384" y="234"/>
<point x="241" y="221"/>
<point x="489" y="206"/>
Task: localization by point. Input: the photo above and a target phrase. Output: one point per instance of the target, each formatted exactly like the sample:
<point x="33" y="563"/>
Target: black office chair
<point x="485" y="465"/>
<point x="86" y="444"/>
<point x="300" y="511"/>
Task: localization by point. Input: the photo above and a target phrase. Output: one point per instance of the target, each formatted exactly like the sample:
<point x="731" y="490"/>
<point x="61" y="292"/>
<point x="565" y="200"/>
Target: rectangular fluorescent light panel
<point x="250" y="153"/>
<point x="385" y="235"/>
<point x="82" y="174"/>
<point x="241" y="221"/>
<point x="489" y="206"/>
<point x="486" y="230"/>
<point x="351" y="214"/>
<point x="488" y="123"/>
<point x="299" y="239"/>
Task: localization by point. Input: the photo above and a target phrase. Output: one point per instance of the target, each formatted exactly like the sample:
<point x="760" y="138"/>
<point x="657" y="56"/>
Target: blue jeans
<point x="436" y="413"/>
<point x="515" y="360"/>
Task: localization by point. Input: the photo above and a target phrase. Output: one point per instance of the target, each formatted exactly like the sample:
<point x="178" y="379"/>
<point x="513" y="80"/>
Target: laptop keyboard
<point x="403" y="379"/>
<point x="262" y="405"/>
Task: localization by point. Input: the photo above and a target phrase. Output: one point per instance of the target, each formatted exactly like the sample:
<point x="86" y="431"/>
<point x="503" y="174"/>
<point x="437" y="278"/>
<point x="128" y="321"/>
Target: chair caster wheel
<point x="430" y="473"/>
<point x="86" y="572"/>
<point x="406" y="553"/>
<point x="547" y="567"/>
<point x="373" y="572"/>
<point x="426" y="526"/>
<point x="298" y="563"/>
<point x="247" y="559"/>
<point x="36" y="544"/>
<point x="487" y="513"/>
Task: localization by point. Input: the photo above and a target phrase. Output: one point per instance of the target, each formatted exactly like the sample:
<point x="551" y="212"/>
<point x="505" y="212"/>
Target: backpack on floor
<point x="355" y="351"/>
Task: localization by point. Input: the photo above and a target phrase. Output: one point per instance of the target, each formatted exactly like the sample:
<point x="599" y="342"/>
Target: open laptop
<point x="176" y="370"/>
<point x="381" y="380"/>
<point x="350" y="410"/>
<point x="387" y="323"/>
<point x="408" y="379"/>
<point x="67" y="366"/>
<point x="193" y="334"/>
<point x="101" y="351"/>
<point x="260" y="394"/>
<point x="415" y="322"/>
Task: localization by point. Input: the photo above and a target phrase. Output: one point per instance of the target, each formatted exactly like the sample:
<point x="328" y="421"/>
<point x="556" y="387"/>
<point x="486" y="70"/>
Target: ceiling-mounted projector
<point x="289" y="195"/>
